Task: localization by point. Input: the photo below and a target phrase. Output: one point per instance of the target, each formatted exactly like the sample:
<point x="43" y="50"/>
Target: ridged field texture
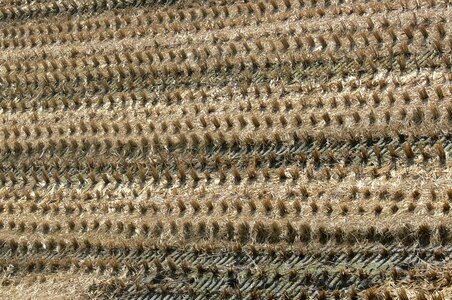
<point x="252" y="149"/>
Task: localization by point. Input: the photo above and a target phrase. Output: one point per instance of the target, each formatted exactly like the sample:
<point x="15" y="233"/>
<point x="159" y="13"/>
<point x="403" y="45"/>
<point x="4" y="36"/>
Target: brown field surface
<point x="218" y="149"/>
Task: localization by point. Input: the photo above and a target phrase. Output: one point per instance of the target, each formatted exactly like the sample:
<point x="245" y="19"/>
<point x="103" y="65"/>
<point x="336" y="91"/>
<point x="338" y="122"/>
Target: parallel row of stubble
<point x="225" y="149"/>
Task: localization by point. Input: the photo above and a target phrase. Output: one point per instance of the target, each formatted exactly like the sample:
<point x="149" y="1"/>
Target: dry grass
<point x="203" y="148"/>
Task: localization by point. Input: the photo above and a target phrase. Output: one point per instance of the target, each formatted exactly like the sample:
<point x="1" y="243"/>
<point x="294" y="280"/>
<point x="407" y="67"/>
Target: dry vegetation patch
<point x="263" y="149"/>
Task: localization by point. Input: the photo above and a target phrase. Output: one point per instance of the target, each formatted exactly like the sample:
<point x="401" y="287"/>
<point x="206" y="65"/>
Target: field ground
<point x="253" y="149"/>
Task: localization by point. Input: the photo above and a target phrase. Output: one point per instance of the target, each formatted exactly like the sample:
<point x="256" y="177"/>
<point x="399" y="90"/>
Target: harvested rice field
<point x="252" y="149"/>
